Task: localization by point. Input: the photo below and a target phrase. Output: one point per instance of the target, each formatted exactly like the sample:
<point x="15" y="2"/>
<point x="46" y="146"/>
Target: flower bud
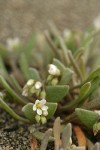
<point x="25" y="93"/>
<point x="33" y="90"/>
<point x="54" y="81"/>
<point x="42" y="94"/>
<point x="38" y="85"/>
<point x="30" y="82"/>
<point x="53" y="70"/>
<point x="49" y="78"/>
<point x="43" y="119"/>
<point x="37" y="117"/>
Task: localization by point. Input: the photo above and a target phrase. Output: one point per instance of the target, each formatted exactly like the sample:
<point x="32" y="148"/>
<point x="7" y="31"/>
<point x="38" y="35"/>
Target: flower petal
<point x="44" y="107"/>
<point x="43" y="101"/>
<point x="37" y="101"/>
<point x="39" y="111"/>
<point x="34" y="107"/>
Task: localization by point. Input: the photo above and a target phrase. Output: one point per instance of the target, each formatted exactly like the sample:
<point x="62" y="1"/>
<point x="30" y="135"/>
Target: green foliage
<point x="87" y="117"/>
<point x="69" y="89"/>
<point x="56" y="93"/>
<point x="30" y="114"/>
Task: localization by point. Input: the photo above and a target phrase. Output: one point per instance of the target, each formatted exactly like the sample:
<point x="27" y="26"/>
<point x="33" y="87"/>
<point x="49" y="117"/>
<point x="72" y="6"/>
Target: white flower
<point x="30" y="82"/>
<point x="97" y="111"/>
<point x="12" y="43"/>
<point x="40" y="107"/>
<point x="96" y="22"/>
<point x="53" y="70"/>
<point x="38" y="85"/>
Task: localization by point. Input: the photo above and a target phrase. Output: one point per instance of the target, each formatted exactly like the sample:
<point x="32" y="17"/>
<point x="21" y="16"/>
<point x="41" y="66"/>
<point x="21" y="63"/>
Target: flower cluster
<point x="41" y="109"/>
<point x="13" y="43"/>
<point x="33" y="87"/>
<point x="54" y="74"/>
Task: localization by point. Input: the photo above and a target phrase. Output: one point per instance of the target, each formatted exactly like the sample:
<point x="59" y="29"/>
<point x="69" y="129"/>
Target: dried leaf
<point x="66" y="135"/>
<point x="80" y="136"/>
<point x="56" y="131"/>
<point x="45" y="140"/>
<point x="33" y="144"/>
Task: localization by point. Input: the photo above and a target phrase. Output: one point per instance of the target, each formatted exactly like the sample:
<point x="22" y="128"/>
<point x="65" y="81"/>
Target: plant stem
<point x="50" y="42"/>
<point x="11" y="112"/>
<point x="76" y="68"/>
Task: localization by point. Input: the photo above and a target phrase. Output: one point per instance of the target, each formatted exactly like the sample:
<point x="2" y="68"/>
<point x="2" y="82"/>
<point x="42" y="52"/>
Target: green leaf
<point x="56" y="93"/>
<point x="66" y="76"/>
<point x="3" y="51"/>
<point x="11" y="112"/>
<point x="51" y="109"/>
<point x="11" y="92"/>
<point x="93" y="75"/>
<point x="40" y="136"/>
<point x="95" y="84"/>
<point x="60" y="65"/>
<point x="34" y="74"/>
<point x="96" y="127"/>
<point x="84" y="91"/>
<point x="29" y="46"/>
<point x="24" y="66"/>
<point x="88" y="118"/>
<point x="30" y="114"/>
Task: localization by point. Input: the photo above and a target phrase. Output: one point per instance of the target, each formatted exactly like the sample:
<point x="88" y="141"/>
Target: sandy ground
<point x="22" y="17"/>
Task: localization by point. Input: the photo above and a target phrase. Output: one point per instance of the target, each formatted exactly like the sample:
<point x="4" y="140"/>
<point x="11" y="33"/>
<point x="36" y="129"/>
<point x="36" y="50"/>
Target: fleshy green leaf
<point x="28" y="112"/>
<point x="40" y="135"/>
<point x="24" y="66"/>
<point x="66" y="76"/>
<point x="34" y="74"/>
<point x="56" y="93"/>
<point x="84" y="91"/>
<point x="60" y="65"/>
<point x="11" y="92"/>
<point x="11" y="112"/>
<point x="88" y="118"/>
<point x="51" y="109"/>
<point x="93" y="75"/>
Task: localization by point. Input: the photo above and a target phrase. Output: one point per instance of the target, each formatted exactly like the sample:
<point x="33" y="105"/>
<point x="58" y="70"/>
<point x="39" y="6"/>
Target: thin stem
<point x="50" y="42"/>
<point x="76" y="87"/>
<point x="76" y="68"/>
<point x="12" y="92"/>
<point x="69" y="118"/>
<point x="11" y="112"/>
<point x="16" y="84"/>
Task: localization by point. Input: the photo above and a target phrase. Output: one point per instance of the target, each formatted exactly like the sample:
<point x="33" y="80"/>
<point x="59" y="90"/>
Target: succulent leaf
<point x="88" y="118"/>
<point x="56" y="93"/>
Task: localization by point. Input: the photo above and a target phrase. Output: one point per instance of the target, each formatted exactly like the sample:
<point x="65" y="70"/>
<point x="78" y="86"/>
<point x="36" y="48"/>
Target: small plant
<point x="49" y="78"/>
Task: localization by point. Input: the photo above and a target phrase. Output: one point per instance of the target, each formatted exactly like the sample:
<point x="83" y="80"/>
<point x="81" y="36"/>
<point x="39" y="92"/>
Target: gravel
<point x="13" y="134"/>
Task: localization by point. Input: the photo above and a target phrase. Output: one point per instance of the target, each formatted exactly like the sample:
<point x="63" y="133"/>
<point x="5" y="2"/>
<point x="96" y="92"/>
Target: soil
<point x="13" y="134"/>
